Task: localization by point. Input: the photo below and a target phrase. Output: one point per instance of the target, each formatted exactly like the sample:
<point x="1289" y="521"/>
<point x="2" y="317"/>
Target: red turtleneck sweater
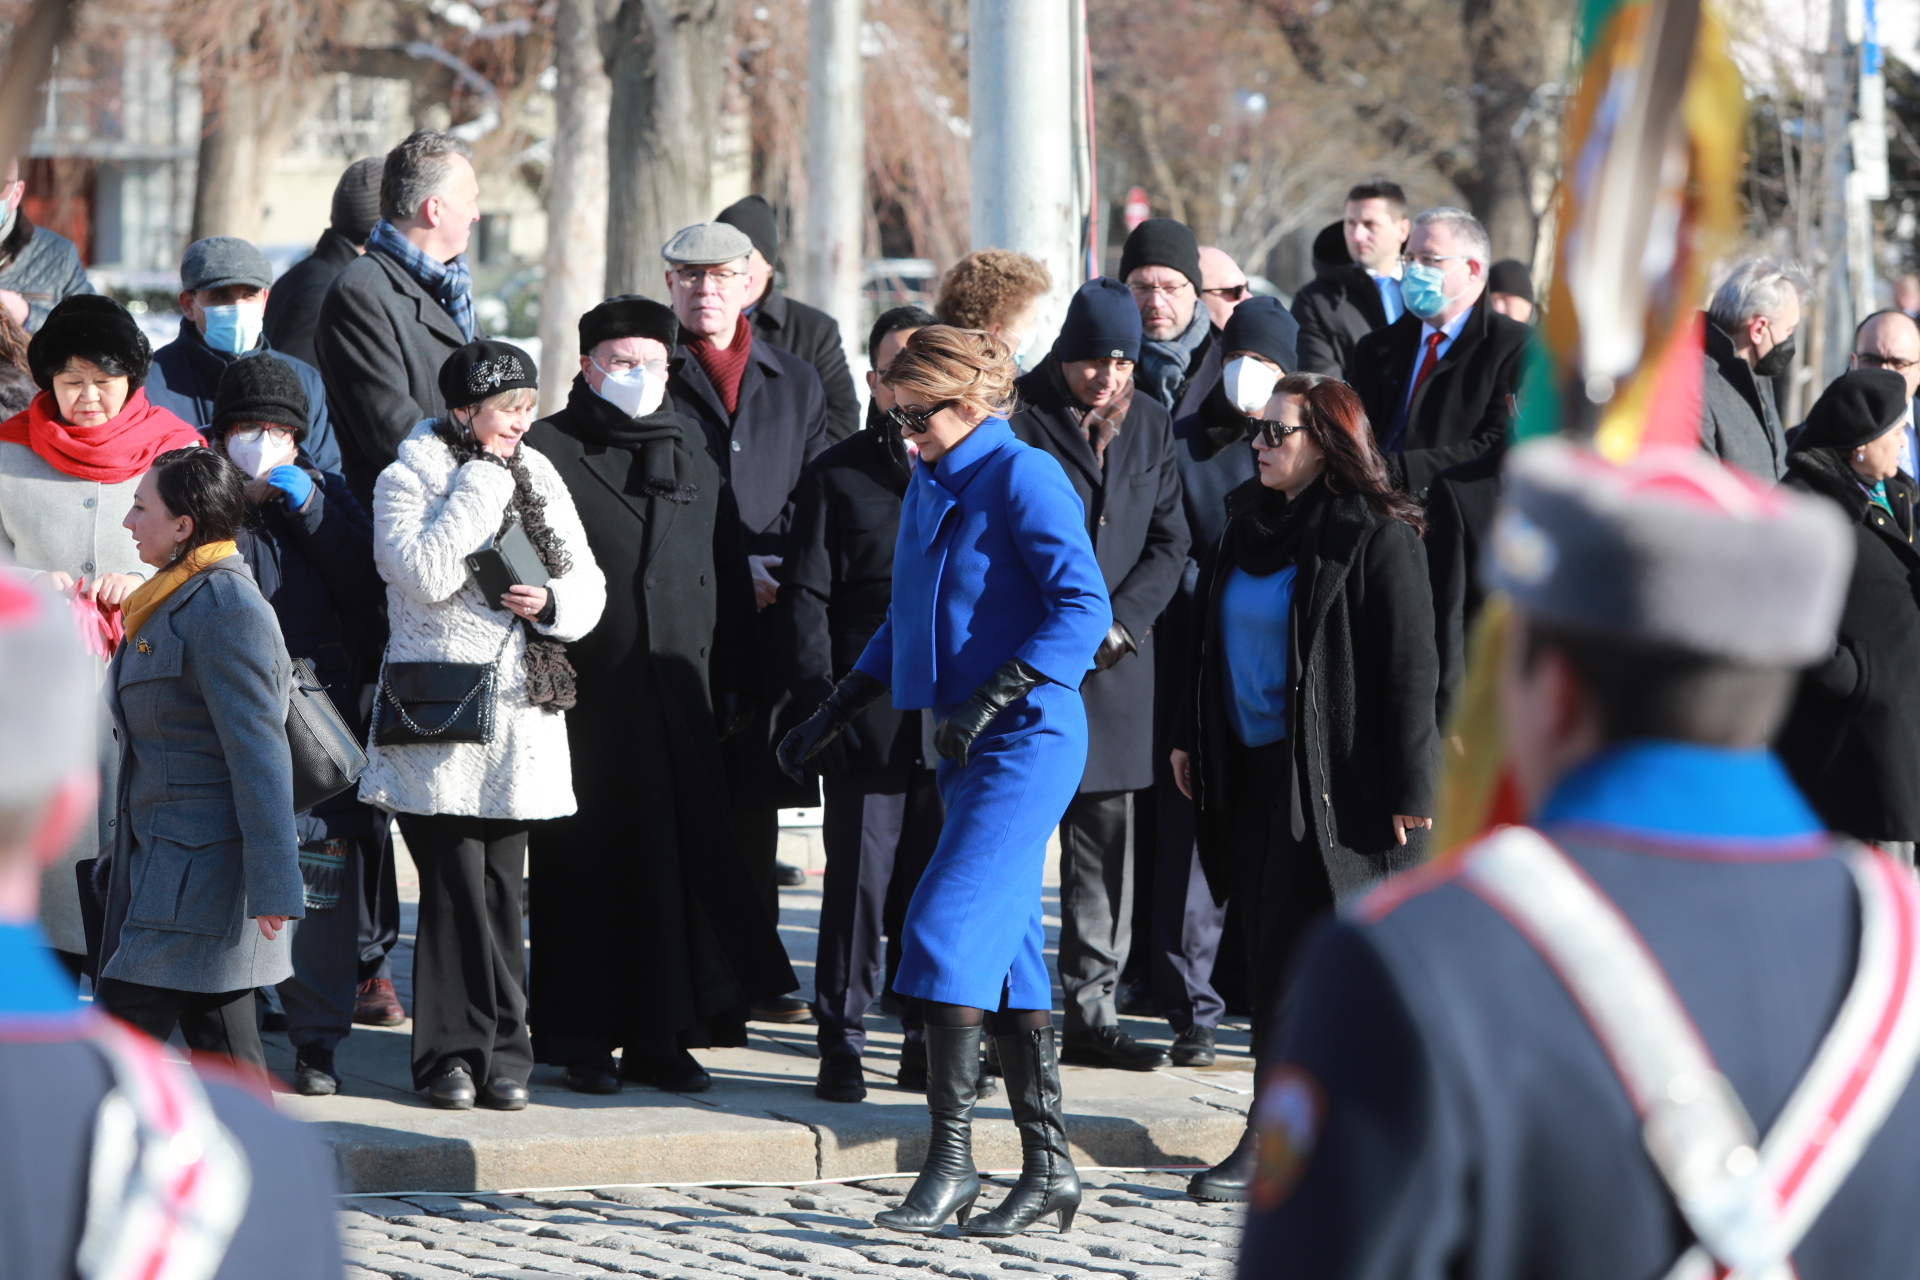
<point x="725" y="365"/>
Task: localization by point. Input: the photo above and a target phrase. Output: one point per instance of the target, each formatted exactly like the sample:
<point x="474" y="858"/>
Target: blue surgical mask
<point x="1423" y="289"/>
<point x="235" y="328"/>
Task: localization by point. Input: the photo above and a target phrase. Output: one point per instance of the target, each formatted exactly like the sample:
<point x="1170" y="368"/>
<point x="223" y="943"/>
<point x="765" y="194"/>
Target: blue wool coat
<point x="993" y="562"/>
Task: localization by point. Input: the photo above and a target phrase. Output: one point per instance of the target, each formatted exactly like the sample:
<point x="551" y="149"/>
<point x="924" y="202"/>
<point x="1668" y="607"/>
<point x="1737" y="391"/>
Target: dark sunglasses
<point x="1229" y="292"/>
<point x="1271" y="434"/>
<point x="913" y="422"/>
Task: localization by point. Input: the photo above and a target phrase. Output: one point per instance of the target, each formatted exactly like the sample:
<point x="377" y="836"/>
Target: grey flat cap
<point x="1672" y="549"/>
<point x="47" y="702"/>
<point x="223" y="260"/>
<point x="705" y="244"/>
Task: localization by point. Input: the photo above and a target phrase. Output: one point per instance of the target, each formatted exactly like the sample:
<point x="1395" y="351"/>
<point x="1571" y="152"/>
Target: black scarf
<point x="1222" y="423"/>
<point x="887" y="439"/>
<point x="550" y="678"/>
<point x="1267" y="526"/>
<point x="652" y="437"/>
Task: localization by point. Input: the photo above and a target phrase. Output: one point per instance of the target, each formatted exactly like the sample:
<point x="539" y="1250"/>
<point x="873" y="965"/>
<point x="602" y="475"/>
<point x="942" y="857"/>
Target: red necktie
<point x="1426" y="365"/>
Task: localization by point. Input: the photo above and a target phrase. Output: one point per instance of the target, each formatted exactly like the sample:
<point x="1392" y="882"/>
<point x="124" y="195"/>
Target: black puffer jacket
<point x="1361" y="709"/>
<point x="1852" y="741"/>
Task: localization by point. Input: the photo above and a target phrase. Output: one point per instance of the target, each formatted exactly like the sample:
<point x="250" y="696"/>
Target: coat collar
<point x="1720" y="801"/>
<point x="773" y="307"/>
<point x="762" y="367"/>
<point x="1363" y="293"/>
<point x="426" y="307"/>
<point x="940" y="484"/>
<point x="1049" y="406"/>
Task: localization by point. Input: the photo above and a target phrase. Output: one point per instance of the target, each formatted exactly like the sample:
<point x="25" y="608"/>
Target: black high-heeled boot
<point x="948" y="1182"/>
<point x="1049" y="1184"/>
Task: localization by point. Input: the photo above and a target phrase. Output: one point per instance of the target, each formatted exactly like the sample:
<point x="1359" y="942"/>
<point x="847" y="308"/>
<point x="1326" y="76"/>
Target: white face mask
<point x="632" y="392"/>
<point x="257" y="457"/>
<point x="1249" y="383"/>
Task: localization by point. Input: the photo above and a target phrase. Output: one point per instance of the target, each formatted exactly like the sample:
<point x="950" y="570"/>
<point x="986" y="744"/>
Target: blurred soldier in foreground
<point x="119" y="1159"/>
<point x="1667" y="1030"/>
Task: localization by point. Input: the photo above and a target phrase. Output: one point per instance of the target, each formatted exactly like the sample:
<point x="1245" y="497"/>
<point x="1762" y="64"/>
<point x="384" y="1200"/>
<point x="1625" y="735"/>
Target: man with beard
<point x="653" y="937"/>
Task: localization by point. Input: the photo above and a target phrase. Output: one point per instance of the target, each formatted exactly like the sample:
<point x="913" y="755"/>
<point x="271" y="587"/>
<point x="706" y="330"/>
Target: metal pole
<point x="1836" y="294"/>
<point x="836" y="167"/>
<point x="1021" y="87"/>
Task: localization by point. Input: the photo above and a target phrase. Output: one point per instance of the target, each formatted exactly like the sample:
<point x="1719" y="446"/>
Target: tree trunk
<point x="226" y="187"/>
<point x="668" y="67"/>
<point x="1507" y="48"/>
<point x="576" y="261"/>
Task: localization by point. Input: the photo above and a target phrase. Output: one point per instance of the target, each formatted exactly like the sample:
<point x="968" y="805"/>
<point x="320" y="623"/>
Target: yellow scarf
<point x="150" y="595"/>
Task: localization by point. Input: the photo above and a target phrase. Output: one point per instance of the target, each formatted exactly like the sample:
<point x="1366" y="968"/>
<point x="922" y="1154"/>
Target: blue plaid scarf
<point x="448" y="282"/>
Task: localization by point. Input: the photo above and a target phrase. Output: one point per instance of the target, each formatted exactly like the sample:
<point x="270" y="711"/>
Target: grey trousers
<point x="318" y="998"/>
<point x="1096" y="904"/>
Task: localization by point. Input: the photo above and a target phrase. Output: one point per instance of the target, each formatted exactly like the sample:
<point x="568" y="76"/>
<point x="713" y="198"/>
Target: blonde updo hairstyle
<point x="972" y="366"/>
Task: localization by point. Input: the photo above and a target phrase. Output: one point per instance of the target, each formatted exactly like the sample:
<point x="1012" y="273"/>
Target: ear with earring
<point x="1859" y="455"/>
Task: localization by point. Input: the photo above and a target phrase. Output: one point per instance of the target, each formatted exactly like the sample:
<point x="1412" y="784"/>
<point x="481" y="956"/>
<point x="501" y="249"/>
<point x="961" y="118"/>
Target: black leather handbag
<point x="327" y="758"/>
<point x="436" y="702"/>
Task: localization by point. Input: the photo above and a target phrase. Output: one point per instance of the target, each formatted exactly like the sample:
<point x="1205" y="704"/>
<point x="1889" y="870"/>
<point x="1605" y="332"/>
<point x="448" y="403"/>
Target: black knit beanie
<point x="94" y="328"/>
<point x="1162" y="242"/>
<point x="753" y="215"/>
<point x="1330" y="246"/>
<point x="356" y="199"/>
<point x="1510" y="276"/>
<point x="1103" y="323"/>
<point x="260" y="388"/>
<point x="485" y="368"/>
<point x="629" y="315"/>
<point x="1261" y="325"/>
<point x="1858" y="406"/>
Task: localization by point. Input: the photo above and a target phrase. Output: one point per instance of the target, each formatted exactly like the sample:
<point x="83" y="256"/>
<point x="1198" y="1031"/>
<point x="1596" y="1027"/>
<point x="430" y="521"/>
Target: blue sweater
<point x="993" y="562"/>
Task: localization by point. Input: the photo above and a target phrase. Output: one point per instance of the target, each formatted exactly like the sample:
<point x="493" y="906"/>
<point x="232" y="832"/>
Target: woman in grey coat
<point x="205" y="869"/>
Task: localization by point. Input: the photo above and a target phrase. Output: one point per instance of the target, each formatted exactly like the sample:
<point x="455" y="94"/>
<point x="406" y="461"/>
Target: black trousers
<point x="1187" y="922"/>
<point x="1096" y="905"/>
<point x="879" y="828"/>
<point x="1280" y="882"/>
<point x="378" y="908"/>
<point x="469" y="953"/>
<point x="217" y="1023"/>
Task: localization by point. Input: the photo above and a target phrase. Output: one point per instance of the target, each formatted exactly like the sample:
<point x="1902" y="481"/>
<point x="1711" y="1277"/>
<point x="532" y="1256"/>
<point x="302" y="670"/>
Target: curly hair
<point x="990" y="287"/>
<point x="969" y="365"/>
<point x="1337" y="422"/>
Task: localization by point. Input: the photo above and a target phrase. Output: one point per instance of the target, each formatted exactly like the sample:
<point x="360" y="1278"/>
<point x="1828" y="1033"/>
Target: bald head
<point x="1223" y="285"/>
<point x="1889" y="340"/>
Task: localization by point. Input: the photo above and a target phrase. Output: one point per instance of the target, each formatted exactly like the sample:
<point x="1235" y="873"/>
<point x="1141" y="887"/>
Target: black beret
<point x="94" y="328"/>
<point x="1858" y="406"/>
<point x="753" y="215"/>
<point x="1330" y="246"/>
<point x="1261" y="325"/>
<point x="1510" y="276"/>
<point x="260" y="388"/>
<point x="485" y="368"/>
<point x="1162" y="242"/>
<point x="629" y="315"/>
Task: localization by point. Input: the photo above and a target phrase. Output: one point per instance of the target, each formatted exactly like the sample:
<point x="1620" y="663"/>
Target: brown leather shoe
<point x="376" y="1005"/>
<point x="781" y="1009"/>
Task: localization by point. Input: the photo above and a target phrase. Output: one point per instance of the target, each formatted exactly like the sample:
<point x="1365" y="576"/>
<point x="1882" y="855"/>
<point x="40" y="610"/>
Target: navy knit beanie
<point x="1103" y="323"/>
<point x="1261" y="325"/>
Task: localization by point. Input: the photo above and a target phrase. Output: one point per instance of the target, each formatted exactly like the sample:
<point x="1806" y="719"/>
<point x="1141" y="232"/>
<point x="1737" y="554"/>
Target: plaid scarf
<point x="448" y="282"/>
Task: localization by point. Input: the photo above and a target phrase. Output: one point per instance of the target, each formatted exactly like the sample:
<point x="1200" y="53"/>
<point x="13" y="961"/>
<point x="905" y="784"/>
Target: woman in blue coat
<point x="998" y="607"/>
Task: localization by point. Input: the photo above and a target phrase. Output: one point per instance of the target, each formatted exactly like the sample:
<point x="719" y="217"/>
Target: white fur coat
<point x="428" y="516"/>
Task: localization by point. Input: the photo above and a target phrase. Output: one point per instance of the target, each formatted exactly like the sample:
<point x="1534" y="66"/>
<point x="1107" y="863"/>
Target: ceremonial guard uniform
<point x="1668" y="1029"/>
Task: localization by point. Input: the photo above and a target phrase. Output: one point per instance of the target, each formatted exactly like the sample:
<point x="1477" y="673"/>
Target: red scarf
<point x="119" y="449"/>
<point x="726" y="365"/>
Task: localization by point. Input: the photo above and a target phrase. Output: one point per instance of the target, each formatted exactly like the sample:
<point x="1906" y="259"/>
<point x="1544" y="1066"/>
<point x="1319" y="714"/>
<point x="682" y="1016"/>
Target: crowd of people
<point x="1191" y="587"/>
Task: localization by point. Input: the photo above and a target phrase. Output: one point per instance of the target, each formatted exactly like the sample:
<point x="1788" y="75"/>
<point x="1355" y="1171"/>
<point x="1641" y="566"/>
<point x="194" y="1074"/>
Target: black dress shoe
<point x="595" y="1075"/>
<point x="273" y="1021"/>
<point x="788" y="876"/>
<point x="840" y="1078"/>
<point x="1227" y="1181"/>
<point x="502" y="1094"/>
<point x="313" y="1073"/>
<point x="1193" y="1047"/>
<point x="676" y="1073"/>
<point x="784" y="1009"/>
<point x="1111" y="1047"/>
<point x="452" y="1089"/>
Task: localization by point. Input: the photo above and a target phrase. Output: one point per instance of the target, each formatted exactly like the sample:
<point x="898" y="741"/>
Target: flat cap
<point x="223" y="260"/>
<point x="705" y="244"/>
<point x="1672" y="549"/>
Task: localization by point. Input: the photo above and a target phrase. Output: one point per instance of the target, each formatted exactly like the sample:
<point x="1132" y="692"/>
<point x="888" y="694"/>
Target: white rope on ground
<point x="723" y="1183"/>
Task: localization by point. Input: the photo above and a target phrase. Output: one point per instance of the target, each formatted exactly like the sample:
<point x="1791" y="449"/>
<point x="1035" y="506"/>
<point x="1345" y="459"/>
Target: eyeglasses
<point x="619" y="365"/>
<point x="1271" y="434"/>
<point x="913" y="422"/>
<point x="1229" y="292"/>
<point x="1145" y="291"/>
<point x="249" y="434"/>
<point x="694" y="277"/>
<point x="1435" y="259"/>
<point x="1892" y="364"/>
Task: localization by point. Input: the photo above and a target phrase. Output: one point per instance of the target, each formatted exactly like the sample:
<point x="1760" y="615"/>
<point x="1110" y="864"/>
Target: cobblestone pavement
<point x="1131" y="1226"/>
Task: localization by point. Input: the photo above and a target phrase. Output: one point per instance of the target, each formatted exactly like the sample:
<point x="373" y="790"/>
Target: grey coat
<point x="1739" y="423"/>
<point x="41" y="266"/>
<point x="203" y="834"/>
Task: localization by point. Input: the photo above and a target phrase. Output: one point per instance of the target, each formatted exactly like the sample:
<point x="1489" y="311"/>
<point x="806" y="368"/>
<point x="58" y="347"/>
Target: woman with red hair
<point x="1311" y="751"/>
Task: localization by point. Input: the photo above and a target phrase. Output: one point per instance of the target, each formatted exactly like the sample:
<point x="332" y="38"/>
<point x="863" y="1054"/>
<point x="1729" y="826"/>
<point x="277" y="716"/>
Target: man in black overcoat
<point x="1437" y="382"/>
<point x="1356" y="284"/>
<point x="293" y="308"/>
<point x="651" y="935"/>
<point x="1460" y="509"/>
<point x="1116" y="447"/>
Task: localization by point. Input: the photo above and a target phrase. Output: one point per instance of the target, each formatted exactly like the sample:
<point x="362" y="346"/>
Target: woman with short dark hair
<point x="1311" y="751"/>
<point x="204" y="870"/>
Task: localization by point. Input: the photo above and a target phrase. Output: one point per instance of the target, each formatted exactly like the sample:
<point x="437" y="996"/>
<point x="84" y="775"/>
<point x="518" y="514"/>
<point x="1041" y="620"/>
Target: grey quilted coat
<point x="203" y="834"/>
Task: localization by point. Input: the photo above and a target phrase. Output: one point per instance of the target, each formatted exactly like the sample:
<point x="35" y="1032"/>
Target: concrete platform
<point x="761" y="1122"/>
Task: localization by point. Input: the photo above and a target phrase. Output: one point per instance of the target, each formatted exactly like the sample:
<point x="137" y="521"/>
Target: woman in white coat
<point x="458" y="484"/>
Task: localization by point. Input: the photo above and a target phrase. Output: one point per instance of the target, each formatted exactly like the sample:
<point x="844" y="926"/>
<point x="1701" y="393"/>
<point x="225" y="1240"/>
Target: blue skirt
<point x="973" y="934"/>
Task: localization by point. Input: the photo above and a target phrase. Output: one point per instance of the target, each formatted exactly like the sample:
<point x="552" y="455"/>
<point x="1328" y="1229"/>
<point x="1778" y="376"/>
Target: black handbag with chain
<point x="436" y="702"/>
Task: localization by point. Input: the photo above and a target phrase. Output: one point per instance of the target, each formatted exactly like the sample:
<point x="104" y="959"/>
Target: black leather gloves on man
<point x="1011" y="681"/>
<point x="1118" y="644"/>
<point x="815" y="741"/>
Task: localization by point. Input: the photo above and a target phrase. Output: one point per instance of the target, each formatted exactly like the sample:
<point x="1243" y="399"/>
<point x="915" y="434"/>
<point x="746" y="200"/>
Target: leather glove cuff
<point x="1011" y="680"/>
<point x="852" y="695"/>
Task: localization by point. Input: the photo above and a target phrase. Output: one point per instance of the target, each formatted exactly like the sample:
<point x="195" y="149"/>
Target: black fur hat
<point x="629" y="315"/>
<point x="94" y="328"/>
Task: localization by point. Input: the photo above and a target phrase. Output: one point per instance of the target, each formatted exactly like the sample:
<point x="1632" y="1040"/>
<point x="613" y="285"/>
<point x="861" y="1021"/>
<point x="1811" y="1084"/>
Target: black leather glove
<point x="1118" y="644"/>
<point x="730" y="714"/>
<point x="809" y="739"/>
<point x="1011" y="681"/>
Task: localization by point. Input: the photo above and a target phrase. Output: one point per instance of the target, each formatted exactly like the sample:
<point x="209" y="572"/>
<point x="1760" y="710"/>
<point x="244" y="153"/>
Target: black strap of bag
<point x="432" y="703"/>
